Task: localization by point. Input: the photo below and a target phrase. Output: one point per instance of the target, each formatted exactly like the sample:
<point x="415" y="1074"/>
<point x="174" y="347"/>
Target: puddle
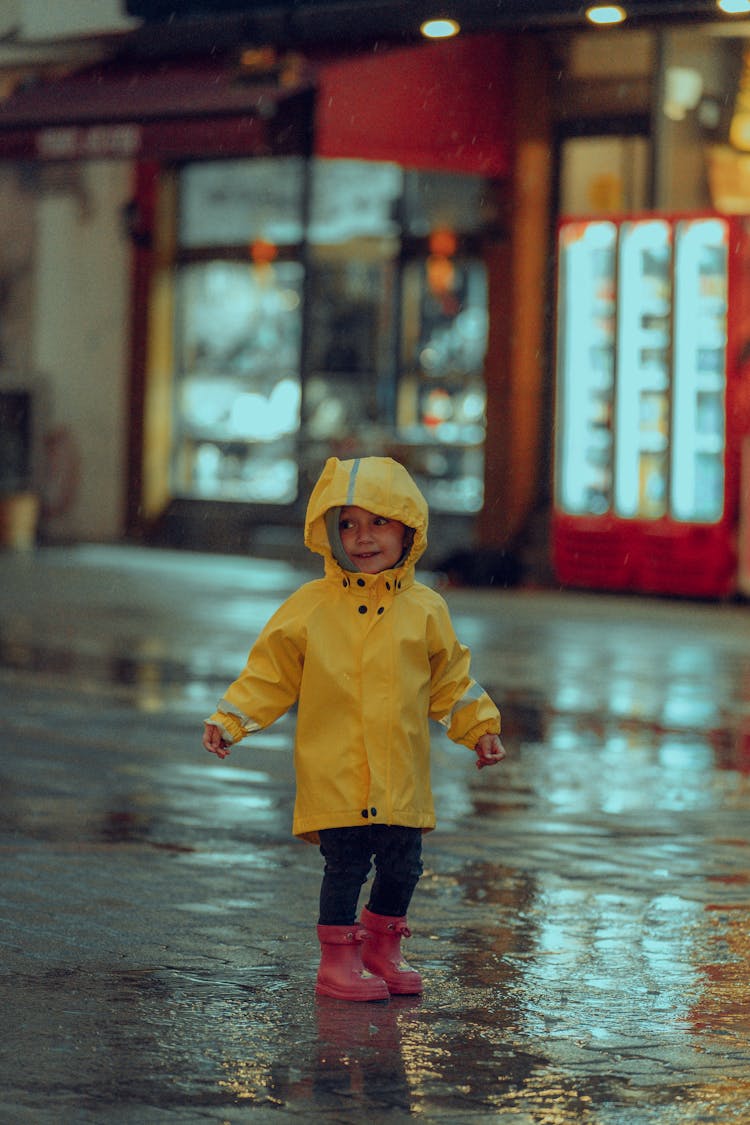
<point x="581" y="926"/>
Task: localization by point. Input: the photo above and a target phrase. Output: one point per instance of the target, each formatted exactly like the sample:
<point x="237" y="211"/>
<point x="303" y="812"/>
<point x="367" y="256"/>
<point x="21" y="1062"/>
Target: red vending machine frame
<point x="613" y="546"/>
<point x="743" y="582"/>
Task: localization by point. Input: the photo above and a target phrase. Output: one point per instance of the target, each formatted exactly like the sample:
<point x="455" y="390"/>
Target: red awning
<point x="136" y="92"/>
<point x="443" y="106"/>
<point x="169" y="110"/>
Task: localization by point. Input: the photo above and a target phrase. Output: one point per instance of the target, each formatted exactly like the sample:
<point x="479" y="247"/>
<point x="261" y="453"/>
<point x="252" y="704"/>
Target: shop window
<point x="336" y="307"/>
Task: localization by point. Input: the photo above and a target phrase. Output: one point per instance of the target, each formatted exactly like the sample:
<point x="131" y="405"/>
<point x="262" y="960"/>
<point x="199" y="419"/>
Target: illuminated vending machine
<point x="653" y="371"/>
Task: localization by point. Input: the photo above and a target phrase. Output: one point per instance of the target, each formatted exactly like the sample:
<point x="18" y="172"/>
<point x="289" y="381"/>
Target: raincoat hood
<point x="378" y="484"/>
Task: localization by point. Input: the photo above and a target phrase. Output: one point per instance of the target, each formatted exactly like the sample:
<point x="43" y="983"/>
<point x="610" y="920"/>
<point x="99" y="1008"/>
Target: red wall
<point x="443" y="106"/>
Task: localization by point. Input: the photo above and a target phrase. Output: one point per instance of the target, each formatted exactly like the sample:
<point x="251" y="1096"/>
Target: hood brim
<point x="378" y="484"/>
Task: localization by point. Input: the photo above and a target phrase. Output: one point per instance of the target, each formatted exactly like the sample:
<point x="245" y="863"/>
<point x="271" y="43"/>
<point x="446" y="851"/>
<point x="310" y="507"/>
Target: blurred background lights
<point x="605" y="14"/>
<point x="683" y="88"/>
<point x="734" y="7"/>
<point x="265" y="418"/>
<point x="442" y="28"/>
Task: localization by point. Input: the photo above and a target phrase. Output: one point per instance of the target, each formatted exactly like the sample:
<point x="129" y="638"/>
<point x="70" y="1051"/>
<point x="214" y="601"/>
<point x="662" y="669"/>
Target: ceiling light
<point x="439" y="28"/>
<point x="605" y="14"/>
<point x="734" y="7"/>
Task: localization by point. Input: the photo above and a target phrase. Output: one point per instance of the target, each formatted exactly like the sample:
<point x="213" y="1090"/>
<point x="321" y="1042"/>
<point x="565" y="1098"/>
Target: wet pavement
<point x="582" y="925"/>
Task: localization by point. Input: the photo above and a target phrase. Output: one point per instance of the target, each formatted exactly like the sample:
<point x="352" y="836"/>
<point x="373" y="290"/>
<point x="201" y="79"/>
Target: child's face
<point x="373" y="543"/>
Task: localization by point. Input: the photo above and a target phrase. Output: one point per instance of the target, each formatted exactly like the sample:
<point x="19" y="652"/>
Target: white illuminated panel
<point x="697" y="465"/>
<point x="585" y="368"/>
<point x="643" y="355"/>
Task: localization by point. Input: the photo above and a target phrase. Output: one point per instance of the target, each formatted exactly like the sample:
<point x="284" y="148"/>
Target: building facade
<point x="224" y="269"/>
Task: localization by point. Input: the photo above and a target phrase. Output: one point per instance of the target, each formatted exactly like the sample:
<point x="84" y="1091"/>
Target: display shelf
<point x="586" y="348"/>
<point x="643" y="359"/>
<point x="697" y="484"/>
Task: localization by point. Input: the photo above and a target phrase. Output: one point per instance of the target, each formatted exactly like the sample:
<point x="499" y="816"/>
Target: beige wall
<point x="79" y="337"/>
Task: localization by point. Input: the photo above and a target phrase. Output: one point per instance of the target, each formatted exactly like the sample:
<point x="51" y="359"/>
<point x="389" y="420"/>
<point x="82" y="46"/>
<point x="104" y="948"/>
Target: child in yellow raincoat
<point x="370" y="655"/>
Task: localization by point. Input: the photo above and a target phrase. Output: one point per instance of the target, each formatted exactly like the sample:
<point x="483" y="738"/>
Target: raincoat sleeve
<point x="457" y="701"/>
<point x="270" y="681"/>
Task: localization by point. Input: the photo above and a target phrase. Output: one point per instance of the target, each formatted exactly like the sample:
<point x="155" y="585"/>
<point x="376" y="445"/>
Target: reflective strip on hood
<point x="353" y="481"/>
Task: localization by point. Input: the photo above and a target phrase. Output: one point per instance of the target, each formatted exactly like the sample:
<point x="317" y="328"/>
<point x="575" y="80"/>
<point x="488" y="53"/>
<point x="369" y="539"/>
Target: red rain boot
<point x="341" y="973"/>
<point x="381" y="953"/>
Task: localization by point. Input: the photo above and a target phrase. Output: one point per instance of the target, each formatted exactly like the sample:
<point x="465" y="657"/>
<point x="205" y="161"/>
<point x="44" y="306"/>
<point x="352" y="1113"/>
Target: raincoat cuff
<point x="230" y="726"/>
<point x="472" y="736"/>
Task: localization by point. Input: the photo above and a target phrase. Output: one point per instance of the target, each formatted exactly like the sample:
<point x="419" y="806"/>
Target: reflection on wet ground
<point x="582" y="924"/>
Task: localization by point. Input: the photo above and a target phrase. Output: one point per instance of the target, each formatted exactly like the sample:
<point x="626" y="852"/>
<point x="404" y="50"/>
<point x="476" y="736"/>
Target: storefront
<point x="312" y="247"/>
<point x="234" y="267"/>
<point x="356" y="326"/>
<point x="334" y="301"/>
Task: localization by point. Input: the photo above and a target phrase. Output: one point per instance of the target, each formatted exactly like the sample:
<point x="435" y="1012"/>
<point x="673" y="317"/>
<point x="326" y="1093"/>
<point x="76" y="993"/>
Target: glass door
<point x="354" y="246"/>
<point x="442" y="400"/>
<point x="238" y="297"/>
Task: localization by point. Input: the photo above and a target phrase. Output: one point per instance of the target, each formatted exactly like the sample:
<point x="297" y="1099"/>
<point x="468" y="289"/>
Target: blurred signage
<point x="354" y="199"/>
<point x="227" y="201"/>
<point x="96" y="141"/>
<point x="190" y="137"/>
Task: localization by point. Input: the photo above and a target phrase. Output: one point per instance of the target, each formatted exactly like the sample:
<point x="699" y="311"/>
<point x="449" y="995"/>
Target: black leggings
<point x="348" y="853"/>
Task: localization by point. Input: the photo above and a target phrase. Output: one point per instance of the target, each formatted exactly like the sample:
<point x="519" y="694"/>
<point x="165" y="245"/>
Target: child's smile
<point x="374" y="543"/>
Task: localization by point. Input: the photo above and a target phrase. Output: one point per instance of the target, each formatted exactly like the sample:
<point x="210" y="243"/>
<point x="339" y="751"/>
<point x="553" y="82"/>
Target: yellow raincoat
<point x="370" y="658"/>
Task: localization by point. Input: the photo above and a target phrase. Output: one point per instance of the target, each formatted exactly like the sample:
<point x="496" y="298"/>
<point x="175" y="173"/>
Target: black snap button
<point x="360" y="581"/>
<point x="346" y="582"/>
<point x="380" y="610"/>
<point x="398" y="584"/>
<point x="365" y="813"/>
<point x="374" y="812"/>
<point x="363" y="609"/>
<point x="387" y="585"/>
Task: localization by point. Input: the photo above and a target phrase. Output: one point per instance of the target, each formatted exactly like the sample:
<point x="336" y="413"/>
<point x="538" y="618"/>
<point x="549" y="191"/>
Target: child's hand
<point x="489" y="751"/>
<point x="214" y="742"/>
